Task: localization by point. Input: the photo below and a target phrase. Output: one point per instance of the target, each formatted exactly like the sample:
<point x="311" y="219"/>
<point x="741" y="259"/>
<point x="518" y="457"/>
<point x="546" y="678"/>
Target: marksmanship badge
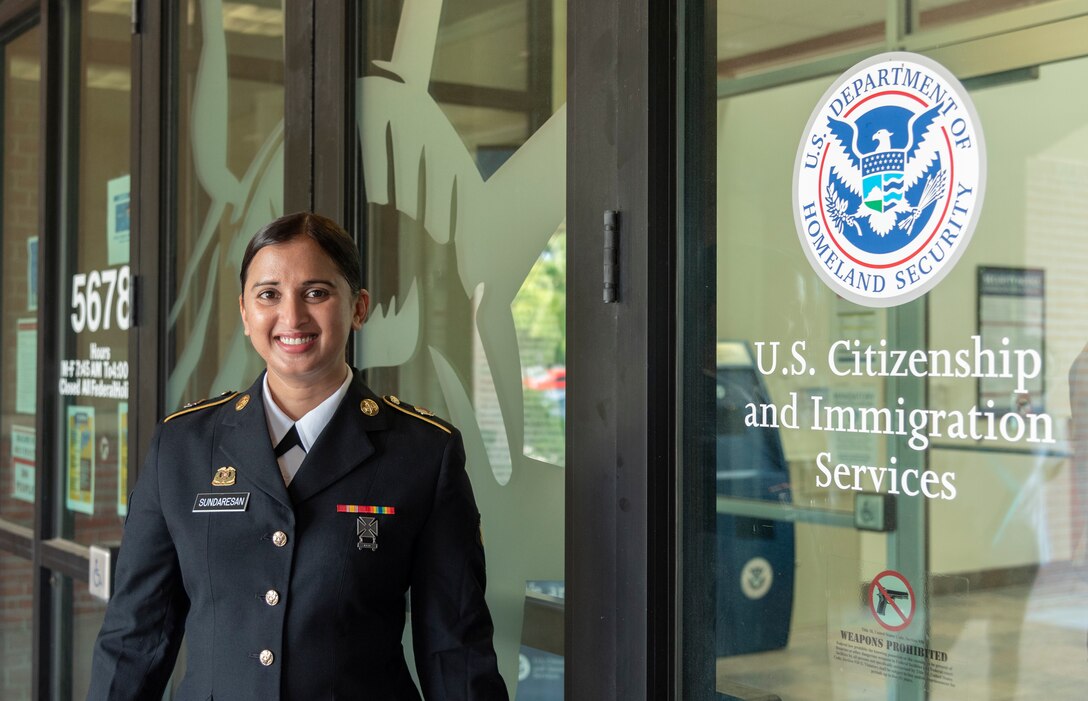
<point x="366" y="527"/>
<point x="889" y="179"/>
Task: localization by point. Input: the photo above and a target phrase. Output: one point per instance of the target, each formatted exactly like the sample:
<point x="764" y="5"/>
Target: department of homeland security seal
<point x="889" y="179"/>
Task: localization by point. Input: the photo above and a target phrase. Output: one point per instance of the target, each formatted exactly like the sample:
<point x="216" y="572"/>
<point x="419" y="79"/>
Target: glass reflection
<point x="231" y="183"/>
<point x="462" y="136"/>
<point x="19" y="294"/>
<point x="93" y="350"/>
<point x="754" y="36"/>
<point x="16" y="626"/>
<point x="988" y="582"/>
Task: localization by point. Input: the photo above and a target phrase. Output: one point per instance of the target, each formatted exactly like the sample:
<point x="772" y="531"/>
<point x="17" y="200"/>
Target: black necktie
<point x="289" y="440"/>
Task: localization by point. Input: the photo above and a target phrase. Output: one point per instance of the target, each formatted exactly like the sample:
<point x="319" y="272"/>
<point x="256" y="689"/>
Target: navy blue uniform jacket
<point x="287" y="599"/>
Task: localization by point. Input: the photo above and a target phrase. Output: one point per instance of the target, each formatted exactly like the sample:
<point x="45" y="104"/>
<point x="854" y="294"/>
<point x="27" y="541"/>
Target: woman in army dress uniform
<point x="280" y="529"/>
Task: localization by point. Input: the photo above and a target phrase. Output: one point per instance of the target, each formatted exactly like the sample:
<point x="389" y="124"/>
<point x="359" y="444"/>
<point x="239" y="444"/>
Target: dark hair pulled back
<point x="330" y="236"/>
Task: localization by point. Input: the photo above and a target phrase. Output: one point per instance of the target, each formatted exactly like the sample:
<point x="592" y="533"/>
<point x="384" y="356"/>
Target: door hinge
<point x="611" y="234"/>
<point x="135" y="16"/>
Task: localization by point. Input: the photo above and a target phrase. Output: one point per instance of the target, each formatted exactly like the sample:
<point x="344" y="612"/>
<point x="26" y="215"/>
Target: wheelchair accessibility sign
<point x="891" y="600"/>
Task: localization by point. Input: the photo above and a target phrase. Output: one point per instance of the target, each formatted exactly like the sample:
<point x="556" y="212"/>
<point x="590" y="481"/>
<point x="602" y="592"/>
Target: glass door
<point x="20" y="68"/>
<point x="89" y="425"/>
<point x="899" y="354"/>
<point x="462" y="135"/>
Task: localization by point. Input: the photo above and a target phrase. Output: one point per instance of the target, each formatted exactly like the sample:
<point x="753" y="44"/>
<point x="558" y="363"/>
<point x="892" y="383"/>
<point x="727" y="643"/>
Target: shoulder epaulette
<point x="202" y="404"/>
<point x="417" y="412"/>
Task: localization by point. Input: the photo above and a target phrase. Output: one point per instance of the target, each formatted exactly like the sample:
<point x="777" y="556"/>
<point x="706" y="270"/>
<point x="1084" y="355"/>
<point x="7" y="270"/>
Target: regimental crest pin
<point x="224" y="477"/>
<point x="366" y="527"/>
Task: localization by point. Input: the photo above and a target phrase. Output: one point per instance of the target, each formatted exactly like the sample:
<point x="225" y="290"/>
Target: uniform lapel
<point x="343" y="445"/>
<point x="247" y="445"/>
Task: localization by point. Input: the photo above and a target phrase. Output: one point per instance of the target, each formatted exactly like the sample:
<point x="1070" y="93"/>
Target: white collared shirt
<point x="310" y="425"/>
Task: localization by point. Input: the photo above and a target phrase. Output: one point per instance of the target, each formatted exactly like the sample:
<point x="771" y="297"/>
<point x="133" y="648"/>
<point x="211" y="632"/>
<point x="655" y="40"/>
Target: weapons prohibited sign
<point x="891" y="600"/>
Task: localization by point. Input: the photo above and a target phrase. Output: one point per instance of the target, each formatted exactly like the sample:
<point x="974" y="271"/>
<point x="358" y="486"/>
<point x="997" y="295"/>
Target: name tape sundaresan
<point x="221" y="501"/>
<point x="361" y="509"/>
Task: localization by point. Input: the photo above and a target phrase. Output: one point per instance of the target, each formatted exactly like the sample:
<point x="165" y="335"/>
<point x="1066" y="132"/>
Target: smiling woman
<point x="300" y="299"/>
<point x="329" y="615"/>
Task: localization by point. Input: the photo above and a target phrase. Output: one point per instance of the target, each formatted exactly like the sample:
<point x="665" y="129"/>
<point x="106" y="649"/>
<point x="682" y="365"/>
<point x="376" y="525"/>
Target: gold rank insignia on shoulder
<point x="241" y="403"/>
<point x="202" y="404"/>
<point x="224" y="476"/>
<point x="369" y="407"/>
<point x="416" y="412"/>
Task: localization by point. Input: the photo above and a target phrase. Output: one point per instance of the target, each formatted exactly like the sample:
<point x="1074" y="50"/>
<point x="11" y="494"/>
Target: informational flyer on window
<point x="1011" y="316"/>
<point x="122" y="458"/>
<point x="856" y="448"/>
<point x="26" y="361"/>
<point x="880" y="642"/>
<point x="23" y="463"/>
<point x="32" y="274"/>
<point x="117" y="220"/>
<point x="80" y="492"/>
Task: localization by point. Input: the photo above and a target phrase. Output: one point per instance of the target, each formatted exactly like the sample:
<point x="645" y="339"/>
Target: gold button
<point x="393" y="398"/>
<point x="267" y="657"/>
<point x="271" y="597"/>
<point x="279" y="539"/>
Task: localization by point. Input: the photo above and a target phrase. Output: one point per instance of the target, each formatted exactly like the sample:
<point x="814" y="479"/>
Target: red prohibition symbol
<point x="891" y="600"/>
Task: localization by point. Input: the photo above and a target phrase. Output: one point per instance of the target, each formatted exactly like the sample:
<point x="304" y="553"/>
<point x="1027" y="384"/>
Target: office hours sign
<point x="96" y="381"/>
<point x="101" y="300"/>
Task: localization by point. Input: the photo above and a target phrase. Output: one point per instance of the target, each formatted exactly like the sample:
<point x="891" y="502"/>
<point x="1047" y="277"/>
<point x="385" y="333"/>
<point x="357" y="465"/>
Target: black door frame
<point x="641" y="120"/>
<point x="620" y="416"/>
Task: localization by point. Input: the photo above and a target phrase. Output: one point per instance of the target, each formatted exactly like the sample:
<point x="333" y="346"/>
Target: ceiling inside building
<point x="748" y="28"/>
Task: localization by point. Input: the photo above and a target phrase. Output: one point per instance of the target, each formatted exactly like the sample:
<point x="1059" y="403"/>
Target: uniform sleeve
<point x="145" y="619"/>
<point x="451" y="625"/>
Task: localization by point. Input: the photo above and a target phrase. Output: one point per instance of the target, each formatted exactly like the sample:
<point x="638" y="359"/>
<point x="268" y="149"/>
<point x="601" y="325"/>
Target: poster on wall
<point x="117" y="220"/>
<point x="23" y="463"/>
<point x="26" y="366"/>
<point x="122" y="458"/>
<point x="80" y="493"/>
<point x="1011" y="322"/>
<point x="32" y="274"/>
<point x="855" y="448"/>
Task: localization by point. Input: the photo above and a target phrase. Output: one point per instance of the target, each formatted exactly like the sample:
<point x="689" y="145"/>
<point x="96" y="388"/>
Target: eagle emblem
<point x="889" y="179"/>
<point x="886" y="175"/>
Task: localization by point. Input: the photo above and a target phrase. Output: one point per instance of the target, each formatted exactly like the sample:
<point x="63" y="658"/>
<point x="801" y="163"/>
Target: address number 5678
<point x="99" y="297"/>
